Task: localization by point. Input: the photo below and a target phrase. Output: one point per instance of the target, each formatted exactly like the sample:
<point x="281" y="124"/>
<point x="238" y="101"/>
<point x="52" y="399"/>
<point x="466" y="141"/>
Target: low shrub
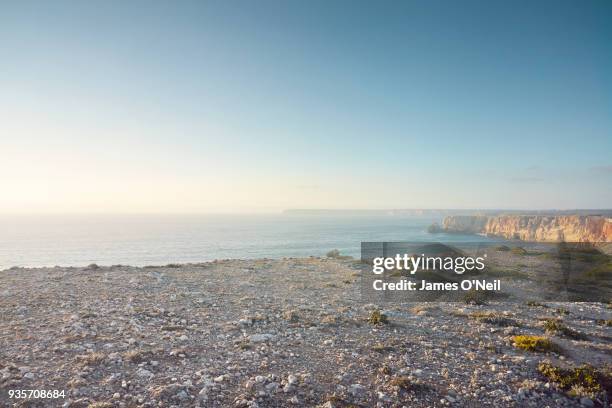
<point x="553" y="326"/>
<point x="376" y="318"/>
<point x="578" y="381"/>
<point x="534" y="343"/>
<point x="334" y="253"/>
<point x="493" y="318"/>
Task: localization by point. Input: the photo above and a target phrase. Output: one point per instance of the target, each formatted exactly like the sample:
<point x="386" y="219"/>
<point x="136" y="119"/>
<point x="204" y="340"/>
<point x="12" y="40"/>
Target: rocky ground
<point x="273" y="333"/>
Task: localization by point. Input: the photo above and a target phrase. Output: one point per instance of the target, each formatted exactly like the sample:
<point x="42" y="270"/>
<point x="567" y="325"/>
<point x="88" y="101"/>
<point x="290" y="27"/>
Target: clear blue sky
<point x="259" y="106"/>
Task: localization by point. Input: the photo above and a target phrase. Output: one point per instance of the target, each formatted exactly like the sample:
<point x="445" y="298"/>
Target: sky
<point x="241" y="106"/>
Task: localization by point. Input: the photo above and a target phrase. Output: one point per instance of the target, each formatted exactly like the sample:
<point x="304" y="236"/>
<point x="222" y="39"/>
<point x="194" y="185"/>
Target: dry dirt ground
<point x="273" y="333"/>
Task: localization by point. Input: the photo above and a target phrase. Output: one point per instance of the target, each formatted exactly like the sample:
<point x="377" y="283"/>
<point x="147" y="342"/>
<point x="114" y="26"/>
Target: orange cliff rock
<point x="554" y="228"/>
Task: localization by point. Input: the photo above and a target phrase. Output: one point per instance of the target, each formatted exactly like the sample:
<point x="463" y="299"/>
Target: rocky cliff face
<point x="569" y="228"/>
<point x="470" y="224"/>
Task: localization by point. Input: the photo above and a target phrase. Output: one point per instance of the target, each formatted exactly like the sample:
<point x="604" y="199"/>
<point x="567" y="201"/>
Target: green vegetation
<point x="396" y="273"/>
<point x="601" y="271"/>
<point x="334" y="253"/>
<point x="602" y="322"/>
<point x="578" y="381"/>
<point x="502" y="248"/>
<point x="583" y="252"/>
<point x="534" y="343"/>
<point x="493" y="318"/>
<point x="536" y="304"/>
<point x="376" y="318"/>
<point x="519" y="251"/>
<point x="562" y="311"/>
<point x="244" y="345"/>
<point x="555" y="327"/>
<point x="475" y="297"/>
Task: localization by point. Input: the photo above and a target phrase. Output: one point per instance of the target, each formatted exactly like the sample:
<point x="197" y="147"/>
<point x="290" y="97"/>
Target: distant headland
<point x="538" y="228"/>
<point x="446" y="212"/>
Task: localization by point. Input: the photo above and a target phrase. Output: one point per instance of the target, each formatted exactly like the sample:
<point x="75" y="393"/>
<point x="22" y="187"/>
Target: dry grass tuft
<point x="135" y="356"/>
<point x="406" y="384"/>
<point x="101" y="405"/>
<point x="493" y="318"/>
<point x="91" y="359"/>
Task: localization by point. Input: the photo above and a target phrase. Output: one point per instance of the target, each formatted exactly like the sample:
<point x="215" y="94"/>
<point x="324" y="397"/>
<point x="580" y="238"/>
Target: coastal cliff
<point x="570" y="228"/>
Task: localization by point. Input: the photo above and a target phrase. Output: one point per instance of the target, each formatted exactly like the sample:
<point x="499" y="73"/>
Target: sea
<point x="139" y="240"/>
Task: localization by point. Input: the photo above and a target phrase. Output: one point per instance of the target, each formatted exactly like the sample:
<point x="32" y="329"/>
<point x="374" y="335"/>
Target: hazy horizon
<point x="213" y="107"/>
<point x="313" y="210"/>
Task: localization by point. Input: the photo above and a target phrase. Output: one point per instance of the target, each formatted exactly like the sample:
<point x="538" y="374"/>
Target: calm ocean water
<point x="161" y="239"/>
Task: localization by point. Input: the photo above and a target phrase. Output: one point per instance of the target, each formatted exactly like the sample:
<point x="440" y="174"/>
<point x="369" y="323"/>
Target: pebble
<point x="144" y="373"/>
<point x="260" y="338"/>
<point x="357" y="390"/>
<point x="586" y="402"/>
